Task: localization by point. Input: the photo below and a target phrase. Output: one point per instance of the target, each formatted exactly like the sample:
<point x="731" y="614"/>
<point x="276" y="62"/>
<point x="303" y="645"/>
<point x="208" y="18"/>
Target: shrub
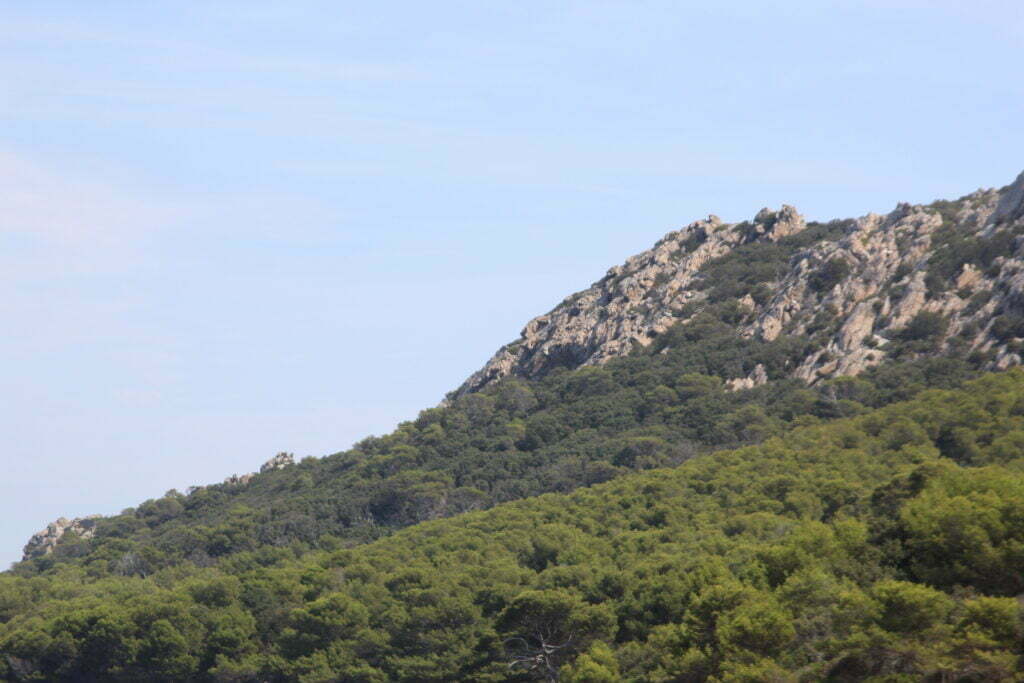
<point x="922" y="334"/>
<point x="924" y="326"/>
<point x="910" y="607"/>
<point x="829" y="275"/>
<point x="998" y="619"/>
<point x="1006" y="327"/>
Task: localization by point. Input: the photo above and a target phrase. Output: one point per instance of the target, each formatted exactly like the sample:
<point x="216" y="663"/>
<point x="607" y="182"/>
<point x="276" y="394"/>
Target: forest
<point x="885" y="544"/>
<point x="657" y="407"/>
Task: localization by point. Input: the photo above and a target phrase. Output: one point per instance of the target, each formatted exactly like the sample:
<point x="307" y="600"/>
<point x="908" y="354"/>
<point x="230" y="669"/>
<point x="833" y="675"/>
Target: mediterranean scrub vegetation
<point x="885" y="545"/>
<point x="657" y="407"/>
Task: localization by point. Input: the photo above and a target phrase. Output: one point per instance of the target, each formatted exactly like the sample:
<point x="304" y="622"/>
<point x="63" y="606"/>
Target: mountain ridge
<point x="845" y="296"/>
<point x="873" y="269"/>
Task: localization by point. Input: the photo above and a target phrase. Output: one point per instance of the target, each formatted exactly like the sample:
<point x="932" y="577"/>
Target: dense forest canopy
<point x="888" y="544"/>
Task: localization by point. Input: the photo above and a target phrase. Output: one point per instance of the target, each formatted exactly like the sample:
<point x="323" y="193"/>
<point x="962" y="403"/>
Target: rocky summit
<point x="947" y="274"/>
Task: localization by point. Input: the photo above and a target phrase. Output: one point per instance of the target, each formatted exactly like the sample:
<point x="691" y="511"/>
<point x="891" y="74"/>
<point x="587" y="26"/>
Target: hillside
<point x="774" y="399"/>
<point x="887" y="545"/>
<point x="509" y="441"/>
<point x="948" y="274"/>
<point x="679" y="336"/>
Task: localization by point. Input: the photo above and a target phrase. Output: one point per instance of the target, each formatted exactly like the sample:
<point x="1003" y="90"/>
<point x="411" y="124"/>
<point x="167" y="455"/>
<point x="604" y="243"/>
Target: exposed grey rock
<point x="630" y="305"/>
<point x="969" y="277"/>
<point x="279" y="461"/>
<point x="755" y="379"/>
<point x="43" y="542"/>
<point x="886" y="287"/>
<point x="774" y="225"/>
<point x="1011" y="202"/>
<point x="239" y="479"/>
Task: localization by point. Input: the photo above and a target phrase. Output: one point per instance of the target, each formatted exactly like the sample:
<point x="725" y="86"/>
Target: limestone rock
<point x="279" y="461"/>
<point x="968" y="278"/>
<point x="1011" y="202"/>
<point x="774" y="225"/>
<point x="885" y="283"/>
<point x="631" y="304"/>
<point x="755" y="379"/>
<point x="43" y="542"/>
<point x="857" y="327"/>
<point x="239" y="479"/>
<point x="911" y="302"/>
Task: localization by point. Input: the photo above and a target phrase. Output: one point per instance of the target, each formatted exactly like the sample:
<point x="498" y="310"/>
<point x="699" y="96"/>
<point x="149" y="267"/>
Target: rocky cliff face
<point x="942" y="275"/>
<point x="45" y="541"/>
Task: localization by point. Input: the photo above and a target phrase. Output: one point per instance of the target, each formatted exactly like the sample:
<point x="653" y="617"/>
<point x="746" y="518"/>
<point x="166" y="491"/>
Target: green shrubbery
<point x="953" y="249"/>
<point x="1007" y="326"/>
<point x="923" y="334"/>
<point x="829" y="275"/>
<point x="840" y="551"/>
<point x="517" y="439"/>
<point x="748" y="268"/>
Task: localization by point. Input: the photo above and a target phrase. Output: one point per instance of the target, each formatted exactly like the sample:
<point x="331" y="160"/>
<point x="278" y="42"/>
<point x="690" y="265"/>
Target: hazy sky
<point x="230" y="229"/>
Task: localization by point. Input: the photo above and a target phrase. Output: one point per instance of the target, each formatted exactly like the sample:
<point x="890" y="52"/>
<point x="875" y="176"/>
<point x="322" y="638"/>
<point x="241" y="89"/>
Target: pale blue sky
<point x="233" y="228"/>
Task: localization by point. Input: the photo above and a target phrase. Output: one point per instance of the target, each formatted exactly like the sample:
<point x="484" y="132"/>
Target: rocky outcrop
<point x="279" y="461"/>
<point x="884" y="277"/>
<point x="239" y="479"/>
<point x="773" y="226"/>
<point x="755" y="379"/>
<point x="1011" y="202"/>
<point x="46" y="540"/>
<point x="632" y="303"/>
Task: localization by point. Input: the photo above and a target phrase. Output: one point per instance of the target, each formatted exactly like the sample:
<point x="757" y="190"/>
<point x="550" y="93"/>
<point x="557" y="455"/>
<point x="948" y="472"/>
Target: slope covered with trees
<point x="660" y="406"/>
<point x="887" y="545"/>
<point x="672" y="476"/>
<point x="780" y="309"/>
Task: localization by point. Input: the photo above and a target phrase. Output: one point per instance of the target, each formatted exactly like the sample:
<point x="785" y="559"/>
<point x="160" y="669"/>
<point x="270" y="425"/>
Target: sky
<point x="229" y="229"/>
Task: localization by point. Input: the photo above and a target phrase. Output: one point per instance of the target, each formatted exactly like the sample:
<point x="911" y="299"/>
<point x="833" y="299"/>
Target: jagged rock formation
<point x="860" y="283"/>
<point x="758" y="377"/>
<point x="45" y="541"/>
<point x="239" y="479"/>
<point x="279" y="461"/>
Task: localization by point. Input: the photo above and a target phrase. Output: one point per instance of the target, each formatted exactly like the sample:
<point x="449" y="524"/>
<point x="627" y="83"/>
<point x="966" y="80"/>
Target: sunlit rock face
<point x="45" y="541"/>
<point x="871" y="276"/>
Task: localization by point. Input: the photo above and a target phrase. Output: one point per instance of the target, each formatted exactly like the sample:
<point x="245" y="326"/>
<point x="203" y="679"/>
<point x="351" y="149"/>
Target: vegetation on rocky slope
<point x="961" y="260"/>
<point x="885" y="545"/>
<point x="516" y="439"/>
<point x="860" y="527"/>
